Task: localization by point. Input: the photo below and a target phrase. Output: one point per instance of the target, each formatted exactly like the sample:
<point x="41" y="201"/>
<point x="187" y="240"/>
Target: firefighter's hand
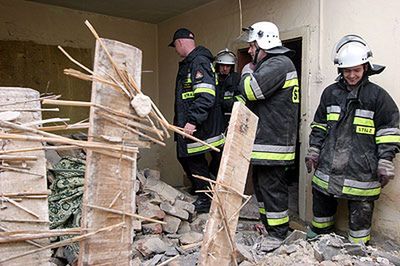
<point x="189" y="128"/>
<point x="385" y="171"/>
<point x="312" y="158"/>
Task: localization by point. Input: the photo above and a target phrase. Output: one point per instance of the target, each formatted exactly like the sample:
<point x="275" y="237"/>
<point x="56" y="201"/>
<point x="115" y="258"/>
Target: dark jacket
<point x="353" y="130"/>
<point x="272" y="93"/>
<point x="230" y="93"/>
<point x="195" y="102"/>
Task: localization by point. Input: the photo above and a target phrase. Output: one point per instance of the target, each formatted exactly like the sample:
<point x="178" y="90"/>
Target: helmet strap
<point x="255" y="60"/>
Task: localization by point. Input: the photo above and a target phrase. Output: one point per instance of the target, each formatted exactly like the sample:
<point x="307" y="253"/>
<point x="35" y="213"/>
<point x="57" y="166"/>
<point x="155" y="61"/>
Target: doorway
<point x="293" y="172"/>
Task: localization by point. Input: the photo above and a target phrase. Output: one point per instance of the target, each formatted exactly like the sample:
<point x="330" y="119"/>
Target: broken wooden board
<point x="15" y="182"/>
<point x="216" y="247"/>
<point x="110" y="180"/>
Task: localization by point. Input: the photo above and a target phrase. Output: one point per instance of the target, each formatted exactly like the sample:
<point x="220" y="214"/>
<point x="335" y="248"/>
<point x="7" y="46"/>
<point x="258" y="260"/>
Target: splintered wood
<point x="218" y="246"/>
<point x="108" y="176"/>
<point x="22" y="176"/>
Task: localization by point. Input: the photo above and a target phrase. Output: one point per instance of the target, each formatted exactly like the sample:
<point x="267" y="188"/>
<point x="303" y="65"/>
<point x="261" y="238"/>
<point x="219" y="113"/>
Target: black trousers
<point x="271" y="189"/>
<point x="360" y="216"/>
<point x="198" y="165"/>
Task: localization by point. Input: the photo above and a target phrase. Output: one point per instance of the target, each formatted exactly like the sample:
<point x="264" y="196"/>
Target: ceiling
<point x="151" y="11"/>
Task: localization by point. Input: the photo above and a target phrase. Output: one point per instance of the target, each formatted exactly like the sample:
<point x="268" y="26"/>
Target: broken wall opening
<point x="41" y="67"/>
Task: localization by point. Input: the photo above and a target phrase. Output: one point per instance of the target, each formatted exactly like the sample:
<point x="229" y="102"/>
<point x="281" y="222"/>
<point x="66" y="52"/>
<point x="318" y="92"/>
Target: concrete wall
<point x="378" y="22"/>
<point x="32" y="31"/>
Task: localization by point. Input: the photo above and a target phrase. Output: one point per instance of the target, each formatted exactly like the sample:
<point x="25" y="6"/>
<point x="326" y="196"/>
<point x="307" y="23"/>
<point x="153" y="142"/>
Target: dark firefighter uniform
<point x="196" y="103"/>
<point x="353" y="129"/>
<point x="228" y="85"/>
<point x="272" y="93"/>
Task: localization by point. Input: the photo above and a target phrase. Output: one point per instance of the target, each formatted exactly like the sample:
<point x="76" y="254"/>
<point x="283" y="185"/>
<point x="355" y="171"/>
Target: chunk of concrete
<point x="355" y="249"/>
<point x="152" y="228"/>
<point x="189" y="207"/>
<point x="295" y="235"/>
<point x="184" y="227"/>
<point x="150" y="173"/>
<point x="190" y="238"/>
<point x="175" y="211"/>
<point x="165" y="191"/>
<point x="172" y="224"/>
<point x="150" y="211"/>
<point x="149" y="246"/>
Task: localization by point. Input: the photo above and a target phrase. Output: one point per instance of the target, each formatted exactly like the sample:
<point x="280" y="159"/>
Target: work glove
<point x="385" y="171"/>
<point x="312" y="158"/>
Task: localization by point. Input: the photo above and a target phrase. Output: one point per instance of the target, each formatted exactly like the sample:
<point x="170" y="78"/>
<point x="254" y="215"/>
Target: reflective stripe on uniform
<point x="204" y="87"/>
<point x="291" y="80"/>
<point x="324" y="127"/>
<point x="363" y="121"/>
<point x="198" y="147"/>
<point x="187" y="95"/>
<point x="273" y="152"/>
<point x="364" y="113"/>
<point x="277" y="218"/>
<point x="333" y="113"/>
<point x="323" y="222"/>
<point x="321" y="179"/>
<point x="261" y="210"/>
<point x="240" y="98"/>
<point x="252" y="89"/>
<point x="360" y="236"/>
<point x="332" y="117"/>
<point x="227" y="97"/>
<point x="357" y="188"/>
<point x="387" y="135"/>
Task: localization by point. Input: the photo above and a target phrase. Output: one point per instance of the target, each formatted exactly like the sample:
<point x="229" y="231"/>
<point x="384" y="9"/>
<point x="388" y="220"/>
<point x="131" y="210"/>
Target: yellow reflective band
<point x="239" y="98"/>
<point x="187" y="95"/>
<point x="357" y="240"/>
<point x="290" y="83"/>
<point x="205" y="90"/>
<point x="365" y="130"/>
<point x="332" y="117"/>
<point x="322" y="225"/>
<point x="319" y="126"/>
<point x="227" y="97"/>
<point x="275" y="222"/>
<point x="204" y="147"/>
<point x="261" y="210"/>
<point x="363" y="121"/>
<point x="272" y="156"/>
<point x="319" y="182"/>
<point x="387" y="139"/>
<point x="361" y="192"/>
<point x="247" y="89"/>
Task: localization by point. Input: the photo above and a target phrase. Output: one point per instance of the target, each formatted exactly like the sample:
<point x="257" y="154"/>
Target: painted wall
<point x="378" y="23"/>
<point x="36" y="30"/>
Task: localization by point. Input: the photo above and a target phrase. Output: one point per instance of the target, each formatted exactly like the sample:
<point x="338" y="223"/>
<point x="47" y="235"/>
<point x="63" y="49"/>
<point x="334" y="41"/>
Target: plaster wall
<point x="378" y="23"/>
<point x="35" y="30"/>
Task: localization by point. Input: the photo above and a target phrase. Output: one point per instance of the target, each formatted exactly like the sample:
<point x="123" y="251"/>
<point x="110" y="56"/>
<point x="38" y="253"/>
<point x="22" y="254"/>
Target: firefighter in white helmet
<point x="270" y="87"/>
<point x="355" y="137"/>
<point x="228" y="81"/>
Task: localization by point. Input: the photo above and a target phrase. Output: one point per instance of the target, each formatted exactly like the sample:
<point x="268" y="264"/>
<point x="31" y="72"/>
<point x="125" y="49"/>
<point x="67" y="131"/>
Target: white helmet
<point x="266" y="34"/>
<point x="225" y="57"/>
<point x="350" y="51"/>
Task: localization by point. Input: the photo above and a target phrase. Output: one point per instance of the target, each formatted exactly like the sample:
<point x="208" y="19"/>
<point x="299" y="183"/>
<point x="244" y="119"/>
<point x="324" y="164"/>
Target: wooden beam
<point x="106" y="176"/>
<point x="19" y="183"/>
<point x="218" y="246"/>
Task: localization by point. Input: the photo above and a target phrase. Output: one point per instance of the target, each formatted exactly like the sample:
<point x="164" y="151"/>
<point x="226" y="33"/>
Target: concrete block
<point x="149" y="246"/>
<point x="172" y="224"/>
<point x="184" y="206"/>
<point x="152" y="228"/>
<point x="175" y="211"/>
<point x="184" y="227"/>
<point x="150" y="211"/>
<point x="165" y="191"/>
<point x="190" y="238"/>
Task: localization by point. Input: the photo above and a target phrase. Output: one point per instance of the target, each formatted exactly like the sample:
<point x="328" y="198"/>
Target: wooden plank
<point x="107" y="176"/>
<point x="216" y="248"/>
<point x="17" y="182"/>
